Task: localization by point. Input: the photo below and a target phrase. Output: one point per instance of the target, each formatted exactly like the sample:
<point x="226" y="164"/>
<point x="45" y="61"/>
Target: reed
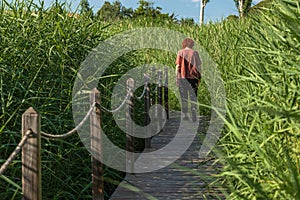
<point x="258" y="57"/>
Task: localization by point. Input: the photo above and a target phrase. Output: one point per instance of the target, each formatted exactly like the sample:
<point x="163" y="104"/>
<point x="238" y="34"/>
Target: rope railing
<point x="145" y="87"/>
<point x="15" y="152"/>
<point x="71" y="132"/>
<point x="30" y="143"/>
<point x="126" y="98"/>
<point x="118" y="108"/>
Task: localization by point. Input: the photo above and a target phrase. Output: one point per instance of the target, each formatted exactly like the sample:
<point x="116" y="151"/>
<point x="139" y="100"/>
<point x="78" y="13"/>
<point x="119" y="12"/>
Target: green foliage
<point x="187" y="21"/>
<point x="258" y="56"/>
<point x="261" y="141"/>
<point x="261" y="6"/>
<point x="115" y="12"/>
<point x="232" y="17"/>
<point x="85" y="7"/>
<point x="41" y="51"/>
<point x="146" y="8"/>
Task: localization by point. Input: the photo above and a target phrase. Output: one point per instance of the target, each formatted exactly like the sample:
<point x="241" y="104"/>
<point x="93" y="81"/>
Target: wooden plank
<point x="31" y="156"/>
<point x="173" y="181"/>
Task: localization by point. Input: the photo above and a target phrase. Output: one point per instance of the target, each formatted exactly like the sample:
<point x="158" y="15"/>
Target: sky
<point x="215" y="10"/>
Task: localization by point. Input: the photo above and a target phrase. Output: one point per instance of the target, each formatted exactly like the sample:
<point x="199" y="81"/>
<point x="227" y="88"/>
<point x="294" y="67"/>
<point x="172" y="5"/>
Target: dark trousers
<point x="188" y="88"/>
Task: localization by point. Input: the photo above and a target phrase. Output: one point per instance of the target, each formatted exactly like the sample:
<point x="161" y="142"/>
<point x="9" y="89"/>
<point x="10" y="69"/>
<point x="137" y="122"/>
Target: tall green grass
<point x="41" y="51"/>
<point x="261" y="140"/>
<point x="258" y="57"/>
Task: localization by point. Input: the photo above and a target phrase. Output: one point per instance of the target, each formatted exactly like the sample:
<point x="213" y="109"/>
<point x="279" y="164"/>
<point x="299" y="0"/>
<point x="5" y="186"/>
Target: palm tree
<point x="243" y="6"/>
<point x="203" y="4"/>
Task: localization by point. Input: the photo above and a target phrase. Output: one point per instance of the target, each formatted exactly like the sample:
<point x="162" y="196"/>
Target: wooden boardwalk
<point x="187" y="178"/>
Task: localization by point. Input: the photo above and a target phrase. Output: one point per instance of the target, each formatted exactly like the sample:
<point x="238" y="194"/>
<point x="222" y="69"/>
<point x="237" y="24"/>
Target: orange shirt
<point x="188" y="62"/>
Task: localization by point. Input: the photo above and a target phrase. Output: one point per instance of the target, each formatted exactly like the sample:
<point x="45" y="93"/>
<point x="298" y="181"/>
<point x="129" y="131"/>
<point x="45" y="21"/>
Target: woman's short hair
<point x="187" y="42"/>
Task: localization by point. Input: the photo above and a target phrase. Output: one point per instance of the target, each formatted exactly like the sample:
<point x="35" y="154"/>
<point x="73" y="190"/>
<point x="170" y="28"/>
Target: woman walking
<point x="188" y="76"/>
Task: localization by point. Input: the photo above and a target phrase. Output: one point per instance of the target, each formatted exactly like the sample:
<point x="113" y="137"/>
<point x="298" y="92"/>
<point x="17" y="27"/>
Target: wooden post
<point x="153" y="99"/>
<point x="147" y="107"/>
<point x="166" y="93"/>
<point x="31" y="156"/>
<point x="129" y="128"/>
<point x="96" y="148"/>
<point x="159" y="99"/>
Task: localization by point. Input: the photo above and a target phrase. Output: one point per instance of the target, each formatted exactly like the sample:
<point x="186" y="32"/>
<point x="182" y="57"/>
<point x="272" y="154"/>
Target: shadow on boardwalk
<point x="187" y="178"/>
